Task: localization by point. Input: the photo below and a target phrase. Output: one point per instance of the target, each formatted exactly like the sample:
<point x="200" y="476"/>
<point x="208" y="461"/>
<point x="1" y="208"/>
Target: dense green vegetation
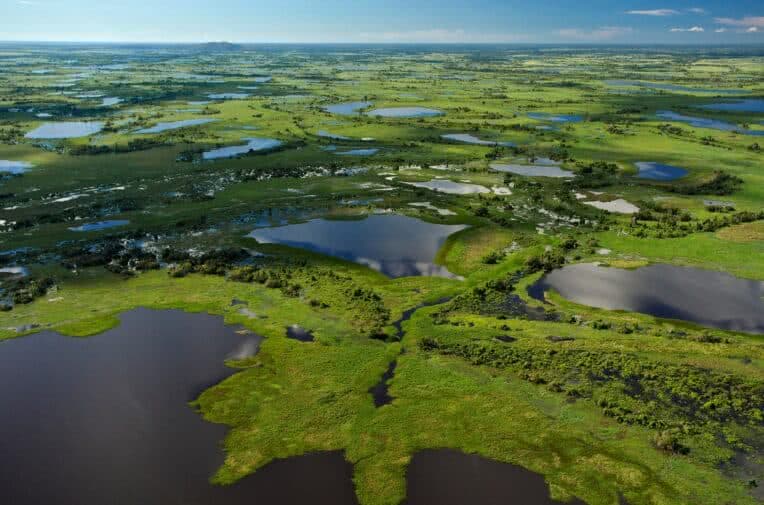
<point x="602" y="403"/>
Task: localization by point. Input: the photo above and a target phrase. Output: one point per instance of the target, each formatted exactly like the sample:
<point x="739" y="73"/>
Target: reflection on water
<point x="65" y="130"/>
<point x="747" y="105"/>
<point x="451" y="187"/>
<point x="449" y="477"/>
<point x="659" y="171"/>
<point x="705" y="297"/>
<point x="538" y="170"/>
<point x="173" y="125"/>
<point x="397" y="246"/>
<point x="700" y="122"/>
<point x="347" y="109"/>
<point x="100" y="225"/>
<point x="405" y="112"/>
<point x="254" y="144"/>
<point x="471" y="139"/>
<point x="105" y="419"/>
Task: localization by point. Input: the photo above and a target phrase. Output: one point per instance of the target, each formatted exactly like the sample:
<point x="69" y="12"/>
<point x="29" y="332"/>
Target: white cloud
<point x="697" y="10"/>
<point x="752" y="29"/>
<point x="720" y="30"/>
<point x="599" y="34"/>
<point x="746" y="21"/>
<point x="439" y="35"/>
<point x="691" y="29"/>
<point x="654" y="12"/>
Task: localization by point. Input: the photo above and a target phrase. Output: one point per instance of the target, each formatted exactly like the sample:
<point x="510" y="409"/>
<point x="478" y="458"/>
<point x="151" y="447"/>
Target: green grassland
<point x="532" y="401"/>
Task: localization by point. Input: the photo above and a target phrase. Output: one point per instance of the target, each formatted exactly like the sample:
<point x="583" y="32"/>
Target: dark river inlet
<point x="705" y="297"/>
<point x="105" y="420"/>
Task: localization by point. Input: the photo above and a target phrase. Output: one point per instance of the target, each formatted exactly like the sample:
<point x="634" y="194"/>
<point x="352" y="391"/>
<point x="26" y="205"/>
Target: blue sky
<point x="393" y="21"/>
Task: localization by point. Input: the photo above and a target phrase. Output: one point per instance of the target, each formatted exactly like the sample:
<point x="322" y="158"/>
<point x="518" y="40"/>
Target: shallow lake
<point x="405" y="112"/>
<point x="65" y="130"/>
<point x="14" y="167"/>
<point x="471" y="139"/>
<point x="449" y="477"/>
<point x="451" y="187"/>
<point x="254" y="144"/>
<point x="110" y="101"/>
<point x="555" y="118"/>
<point x="537" y="170"/>
<point x="348" y="108"/>
<point x="747" y="105"/>
<point x="658" y="171"/>
<point x="381" y="242"/>
<point x="705" y="297"/>
<point x="173" y="125"/>
<point x="100" y="225"/>
<point x="700" y="122"/>
<point x="105" y="419"/>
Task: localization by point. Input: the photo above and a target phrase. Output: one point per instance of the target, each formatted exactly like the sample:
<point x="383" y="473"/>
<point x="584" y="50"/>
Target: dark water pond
<point x="105" y="419"/>
<point x="297" y="332"/>
<point x="705" y="297"/>
<point x="397" y="246"/>
<point x="380" y="391"/>
<point x="747" y="105"/>
<point x="254" y="144"/>
<point x="701" y="122"/>
<point x="449" y="477"/>
<point x="658" y="171"/>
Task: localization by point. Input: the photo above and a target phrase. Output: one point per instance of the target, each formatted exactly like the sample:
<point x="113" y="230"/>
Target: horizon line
<point x="387" y="43"/>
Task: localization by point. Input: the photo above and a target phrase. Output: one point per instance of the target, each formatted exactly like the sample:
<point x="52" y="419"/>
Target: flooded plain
<point x="705" y="297"/>
<point x="746" y="105"/>
<point x="105" y="419"/>
<point x="381" y="242"/>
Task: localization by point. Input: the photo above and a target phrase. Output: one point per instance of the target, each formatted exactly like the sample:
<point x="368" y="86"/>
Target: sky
<point x="385" y="21"/>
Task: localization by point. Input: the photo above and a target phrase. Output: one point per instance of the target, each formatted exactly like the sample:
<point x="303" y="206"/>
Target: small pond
<point x="14" y="167"/>
<point x="655" y="171"/>
<point x="100" y="225"/>
<point x="556" y="118"/>
<point x="451" y="187"/>
<point x="65" y="130"/>
<point x="110" y="101"/>
<point x="348" y="108"/>
<point x="449" y="477"/>
<point x="706" y="297"/>
<point x="536" y="170"/>
<point x="381" y="242"/>
<point x="700" y="122"/>
<point x="174" y="125"/>
<point x="328" y="135"/>
<point x="106" y="419"/>
<point x="254" y="144"/>
<point x="405" y="112"/>
<point x="471" y="139"/>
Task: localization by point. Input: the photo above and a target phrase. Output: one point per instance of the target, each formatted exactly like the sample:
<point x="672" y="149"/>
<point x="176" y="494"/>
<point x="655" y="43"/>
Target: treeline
<point x="675" y="400"/>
